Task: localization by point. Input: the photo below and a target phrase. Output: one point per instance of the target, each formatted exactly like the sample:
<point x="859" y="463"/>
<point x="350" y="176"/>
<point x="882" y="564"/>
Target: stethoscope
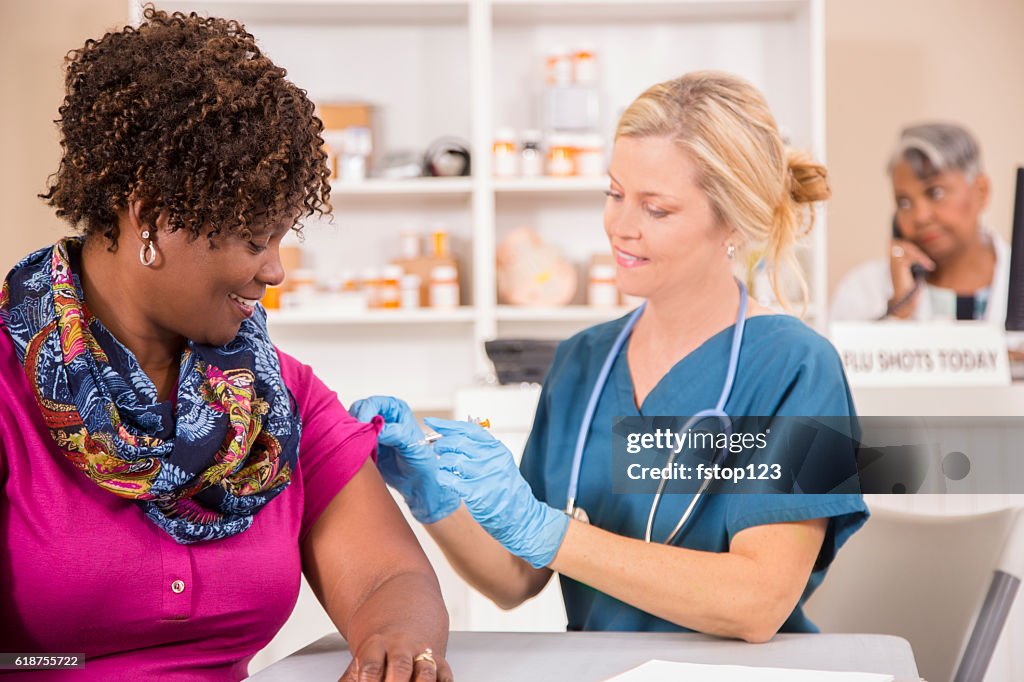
<point x="718" y="412"/>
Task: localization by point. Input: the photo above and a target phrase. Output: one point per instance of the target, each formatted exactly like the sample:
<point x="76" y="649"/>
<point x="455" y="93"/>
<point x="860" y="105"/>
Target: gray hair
<point x="932" y="148"/>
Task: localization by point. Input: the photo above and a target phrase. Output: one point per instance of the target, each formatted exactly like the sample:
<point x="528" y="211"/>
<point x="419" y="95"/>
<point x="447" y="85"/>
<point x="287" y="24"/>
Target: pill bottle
<point x="532" y="157"/>
<point x="444" y="287"/>
<point x="409" y="243"/>
<point x="560" y="157"/>
<point x="271" y="298"/>
<point x="602" y="291"/>
<point x="370" y="284"/>
<point x="409" y="286"/>
<point x="584" y="66"/>
<point x="589" y="156"/>
<point x="558" y="67"/>
<point x="349" y="282"/>
<point x="439" y="241"/>
<point x="506" y="156"/>
<point x="389" y="294"/>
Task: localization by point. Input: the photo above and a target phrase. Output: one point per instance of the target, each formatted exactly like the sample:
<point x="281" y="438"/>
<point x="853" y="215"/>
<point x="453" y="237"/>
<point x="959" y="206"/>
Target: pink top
<point x="84" y="571"/>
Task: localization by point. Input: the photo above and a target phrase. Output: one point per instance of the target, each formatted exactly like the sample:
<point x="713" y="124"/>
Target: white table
<point x="592" y="656"/>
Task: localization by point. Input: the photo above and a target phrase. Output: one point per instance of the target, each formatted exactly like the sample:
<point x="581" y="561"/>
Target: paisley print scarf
<point x="200" y="466"/>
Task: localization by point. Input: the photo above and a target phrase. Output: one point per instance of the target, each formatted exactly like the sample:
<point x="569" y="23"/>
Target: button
<point x="178" y="586"/>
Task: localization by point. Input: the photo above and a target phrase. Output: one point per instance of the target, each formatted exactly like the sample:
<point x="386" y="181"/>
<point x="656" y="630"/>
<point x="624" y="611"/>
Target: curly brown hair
<point x="187" y="115"/>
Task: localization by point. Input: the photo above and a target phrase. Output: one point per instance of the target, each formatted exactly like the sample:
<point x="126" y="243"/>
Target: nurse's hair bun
<point x="808" y="179"/>
<point x="759" y="190"/>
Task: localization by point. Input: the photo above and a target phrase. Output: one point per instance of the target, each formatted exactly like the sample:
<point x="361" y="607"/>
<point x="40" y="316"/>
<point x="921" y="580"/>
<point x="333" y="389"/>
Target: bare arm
<point x="369" y="572"/>
<point x="746" y="592"/>
<point x="482" y="562"/>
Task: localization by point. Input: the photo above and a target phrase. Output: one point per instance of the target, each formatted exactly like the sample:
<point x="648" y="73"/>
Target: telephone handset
<point x="917" y="270"/>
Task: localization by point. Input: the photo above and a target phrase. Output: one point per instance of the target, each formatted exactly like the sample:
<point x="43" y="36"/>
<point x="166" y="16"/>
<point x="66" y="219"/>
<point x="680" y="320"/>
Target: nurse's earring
<point x="147" y="253"/>
<point x="730" y="251"/>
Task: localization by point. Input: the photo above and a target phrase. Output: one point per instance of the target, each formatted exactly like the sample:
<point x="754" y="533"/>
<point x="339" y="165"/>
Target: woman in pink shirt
<point x="165" y="472"/>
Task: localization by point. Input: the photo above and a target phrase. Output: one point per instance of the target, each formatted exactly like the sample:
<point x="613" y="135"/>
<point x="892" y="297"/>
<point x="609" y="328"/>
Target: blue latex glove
<point x="482" y="470"/>
<point x="407" y="464"/>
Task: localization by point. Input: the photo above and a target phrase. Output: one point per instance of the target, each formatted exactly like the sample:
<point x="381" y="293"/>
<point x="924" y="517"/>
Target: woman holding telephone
<point x="943" y="263"/>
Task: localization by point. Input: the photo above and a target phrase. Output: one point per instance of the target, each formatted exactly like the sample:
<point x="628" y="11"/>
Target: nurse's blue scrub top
<point x="784" y="368"/>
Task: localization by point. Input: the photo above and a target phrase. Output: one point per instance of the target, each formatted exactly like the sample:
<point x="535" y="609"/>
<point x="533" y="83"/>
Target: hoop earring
<point x="147" y="253"/>
<point x="731" y="251"/>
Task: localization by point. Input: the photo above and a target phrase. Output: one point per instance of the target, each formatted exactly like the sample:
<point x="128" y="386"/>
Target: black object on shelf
<point x="519" y="361"/>
<point x="447" y="157"/>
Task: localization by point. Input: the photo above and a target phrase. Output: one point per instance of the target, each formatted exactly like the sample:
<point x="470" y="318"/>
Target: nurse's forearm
<point x="483" y="563"/>
<point x="744" y="595"/>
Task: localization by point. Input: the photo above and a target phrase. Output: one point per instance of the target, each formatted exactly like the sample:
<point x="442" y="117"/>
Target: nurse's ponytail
<point x="755" y="185"/>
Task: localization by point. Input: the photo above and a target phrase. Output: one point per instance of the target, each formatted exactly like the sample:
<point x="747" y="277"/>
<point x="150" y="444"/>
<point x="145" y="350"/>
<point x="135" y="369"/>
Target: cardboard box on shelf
<point x="422" y="266"/>
<point x="341" y="116"/>
<point x="336" y="118"/>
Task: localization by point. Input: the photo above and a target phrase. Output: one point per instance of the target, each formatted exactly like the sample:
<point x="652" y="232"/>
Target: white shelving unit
<point x="419" y="187"/>
<point x="591" y="187"/>
<point x="462" y="68"/>
<point x="301" y="316"/>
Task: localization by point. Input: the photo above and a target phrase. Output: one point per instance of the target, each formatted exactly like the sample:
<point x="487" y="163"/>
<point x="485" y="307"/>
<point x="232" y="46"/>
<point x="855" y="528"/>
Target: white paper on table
<point x="659" y="671"/>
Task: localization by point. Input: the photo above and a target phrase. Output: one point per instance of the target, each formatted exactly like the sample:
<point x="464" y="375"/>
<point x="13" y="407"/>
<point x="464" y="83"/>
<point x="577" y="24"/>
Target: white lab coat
<point x="865" y="291"/>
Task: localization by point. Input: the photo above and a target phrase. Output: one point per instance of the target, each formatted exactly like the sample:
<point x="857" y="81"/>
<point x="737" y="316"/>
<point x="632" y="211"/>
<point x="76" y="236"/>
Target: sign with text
<point x="897" y="354"/>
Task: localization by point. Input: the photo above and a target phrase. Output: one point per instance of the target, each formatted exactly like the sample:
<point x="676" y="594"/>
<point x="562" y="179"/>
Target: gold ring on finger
<point x="427" y="655"/>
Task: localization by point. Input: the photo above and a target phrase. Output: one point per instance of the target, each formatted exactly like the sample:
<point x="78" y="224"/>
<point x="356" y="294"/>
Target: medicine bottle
<point x="348" y="280"/>
<point x="532" y="158"/>
<point x="584" y="63"/>
<point x="602" y="292"/>
<point x="409" y="243"/>
<point x="560" y="161"/>
<point x="589" y="156"/>
<point x="271" y="298"/>
<point x="370" y="285"/>
<point x="389" y="295"/>
<point x="444" y="287"/>
<point x="410" y="290"/>
<point x="439" y="240"/>
<point x="559" y="67"/>
<point x="506" y="158"/>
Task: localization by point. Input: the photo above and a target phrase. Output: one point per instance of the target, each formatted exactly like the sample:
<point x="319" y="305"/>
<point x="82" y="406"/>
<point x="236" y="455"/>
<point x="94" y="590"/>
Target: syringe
<point x="430" y="435"/>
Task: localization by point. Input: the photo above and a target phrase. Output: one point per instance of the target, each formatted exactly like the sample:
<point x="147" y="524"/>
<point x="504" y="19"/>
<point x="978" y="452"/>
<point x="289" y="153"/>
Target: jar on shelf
<point x="602" y="291"/>
<point x="409" y="287"/>
<point x="584" y="63"/>
<point x="589" y="156"/>
<point x="370" y="284"/>
<point x="357" y="146"/>
<point x="532" y="156"/>
<point x="506" y="156"/>
<point x="271" y="298"/>
<point x="303" y="281"/>
<point x="560" y="156"/>
<point x="409" y="243"/>
<point x="349" y="282"/>
<point x="444" y="287"/>
<point x="559" y="67"/>
<point x="301" y="289"/>
<point x="439" y="240"/>
<point x="389" y="294"/>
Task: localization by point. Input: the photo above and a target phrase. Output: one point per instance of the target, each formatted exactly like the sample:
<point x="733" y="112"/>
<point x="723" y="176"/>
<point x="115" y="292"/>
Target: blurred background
<point x="888" y="63"/>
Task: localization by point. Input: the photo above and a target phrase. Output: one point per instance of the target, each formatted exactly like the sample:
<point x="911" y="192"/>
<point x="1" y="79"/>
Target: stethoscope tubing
<point x="718" y="411"/>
